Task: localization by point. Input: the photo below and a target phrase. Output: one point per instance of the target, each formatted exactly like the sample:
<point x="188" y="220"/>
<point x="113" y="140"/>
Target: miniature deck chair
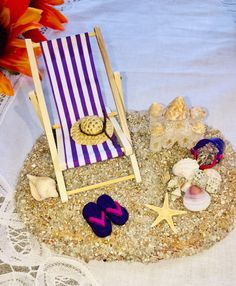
<point x="76" y="91"/>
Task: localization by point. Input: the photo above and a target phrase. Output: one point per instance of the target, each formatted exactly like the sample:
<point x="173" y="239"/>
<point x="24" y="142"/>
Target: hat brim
<point x="83" y="139"/>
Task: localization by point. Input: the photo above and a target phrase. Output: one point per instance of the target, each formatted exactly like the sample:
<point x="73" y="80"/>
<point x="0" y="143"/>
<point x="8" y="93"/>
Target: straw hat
<point x="90" y="130"/>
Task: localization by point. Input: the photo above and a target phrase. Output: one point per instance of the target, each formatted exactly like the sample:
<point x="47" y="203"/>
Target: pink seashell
<point x="194" y="190"/>
<point x="196" y="201"/>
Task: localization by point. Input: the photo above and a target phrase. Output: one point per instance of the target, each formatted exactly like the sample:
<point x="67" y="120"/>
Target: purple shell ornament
<point x="208" y="152"/>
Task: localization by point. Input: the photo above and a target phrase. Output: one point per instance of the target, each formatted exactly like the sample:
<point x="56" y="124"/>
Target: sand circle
<point x="63" y="229"/>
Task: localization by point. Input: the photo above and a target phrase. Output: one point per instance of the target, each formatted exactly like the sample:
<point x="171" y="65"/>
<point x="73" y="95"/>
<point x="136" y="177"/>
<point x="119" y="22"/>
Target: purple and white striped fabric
<point x="77" y="94"/>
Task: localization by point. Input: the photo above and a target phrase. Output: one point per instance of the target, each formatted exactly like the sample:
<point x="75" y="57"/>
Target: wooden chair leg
<point x="46" y="121"/>
<point x="135" y="167"/>
<point x="61" y="185"/>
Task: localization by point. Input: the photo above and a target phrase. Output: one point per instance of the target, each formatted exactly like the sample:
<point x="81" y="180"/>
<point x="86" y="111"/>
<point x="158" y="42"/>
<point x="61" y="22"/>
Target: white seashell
<point x="42" y="187"/>
<point x="176" y="192"/>
<point x="175" y="183"/>
<point x="185" y="168"/>
<point x="214" y="180"/>
<point x="198" y="202"/>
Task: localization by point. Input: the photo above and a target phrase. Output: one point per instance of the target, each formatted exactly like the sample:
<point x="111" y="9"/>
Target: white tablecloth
<point x="164" y="49"/>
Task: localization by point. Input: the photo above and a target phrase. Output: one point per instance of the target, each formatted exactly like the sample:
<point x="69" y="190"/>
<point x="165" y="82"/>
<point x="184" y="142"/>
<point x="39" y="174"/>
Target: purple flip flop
<point x="97" y="219"/>
<point x="116" y="213"/>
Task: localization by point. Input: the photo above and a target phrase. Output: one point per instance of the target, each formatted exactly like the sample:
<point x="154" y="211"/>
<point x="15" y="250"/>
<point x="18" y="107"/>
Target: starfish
<point x="165" y="213"/>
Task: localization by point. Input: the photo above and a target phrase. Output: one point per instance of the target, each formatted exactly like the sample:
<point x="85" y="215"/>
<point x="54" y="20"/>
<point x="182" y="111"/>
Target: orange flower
<point x="51" y="17"/>
<point x="15" y="19"/>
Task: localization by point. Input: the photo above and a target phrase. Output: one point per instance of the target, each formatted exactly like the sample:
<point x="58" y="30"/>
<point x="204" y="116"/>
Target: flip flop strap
<point x="115" y="211"/>
<point x="98" y="221"/>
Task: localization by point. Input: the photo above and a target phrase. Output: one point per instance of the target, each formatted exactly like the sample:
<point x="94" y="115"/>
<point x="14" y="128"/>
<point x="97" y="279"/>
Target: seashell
<point x="197" y="200"/>
<point x="177" y="109"/>
<point x="199" y="128"/>
<point x="185" y="168"/>
<point x="42" y="187"/>
<point x="214" y="181"/>
<point x="155" y="109"/>
<point x="175" y="183"/>
<point x="157" y="130"/>
<point x="175" y="194"/>
<point x="200" y="179"/>
<point x="195" y="190"/>
<point x="198" y="113"/>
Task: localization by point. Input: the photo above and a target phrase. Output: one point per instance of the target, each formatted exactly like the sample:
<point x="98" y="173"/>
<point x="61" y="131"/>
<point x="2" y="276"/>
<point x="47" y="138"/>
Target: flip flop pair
<point x="100" y="215"/>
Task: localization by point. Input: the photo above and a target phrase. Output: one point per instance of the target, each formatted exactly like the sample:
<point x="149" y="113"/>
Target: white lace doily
<point x="25" y="261"/>
<point x="5" y="101"/>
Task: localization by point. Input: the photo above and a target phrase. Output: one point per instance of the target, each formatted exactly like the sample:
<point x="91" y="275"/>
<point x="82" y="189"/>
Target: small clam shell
<point x="196" y="202"/>
<point x="214" y="181"/>
<point x="185" y="168"/>
<point x="42" y="187"/>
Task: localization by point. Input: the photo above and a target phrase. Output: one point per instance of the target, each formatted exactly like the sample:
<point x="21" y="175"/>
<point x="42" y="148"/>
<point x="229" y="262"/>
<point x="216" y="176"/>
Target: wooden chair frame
<point x="122" y="133"/>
